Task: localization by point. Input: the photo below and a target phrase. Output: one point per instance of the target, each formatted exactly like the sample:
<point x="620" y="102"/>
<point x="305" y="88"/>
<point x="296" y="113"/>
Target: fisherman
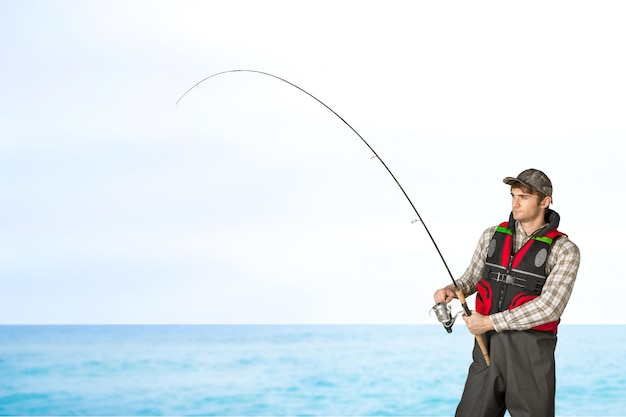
<point x="523" y="272"/>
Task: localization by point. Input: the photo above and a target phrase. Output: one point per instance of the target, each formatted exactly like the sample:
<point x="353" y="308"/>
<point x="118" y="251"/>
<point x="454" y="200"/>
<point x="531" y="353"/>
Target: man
<point x="523" y="272"/>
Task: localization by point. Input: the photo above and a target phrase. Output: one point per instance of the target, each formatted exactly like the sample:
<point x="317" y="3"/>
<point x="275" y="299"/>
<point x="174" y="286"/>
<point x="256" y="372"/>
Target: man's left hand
<point x="478" y="323"/>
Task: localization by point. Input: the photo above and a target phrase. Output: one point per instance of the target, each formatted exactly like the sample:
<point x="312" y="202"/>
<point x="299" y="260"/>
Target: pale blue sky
<point x="251" y="203"/>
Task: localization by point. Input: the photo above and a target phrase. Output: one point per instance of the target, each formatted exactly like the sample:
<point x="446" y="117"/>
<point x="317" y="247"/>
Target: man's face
<point x="526" y="207"/>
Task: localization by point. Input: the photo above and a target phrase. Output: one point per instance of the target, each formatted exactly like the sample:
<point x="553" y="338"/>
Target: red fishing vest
<point x="512" y="279"/>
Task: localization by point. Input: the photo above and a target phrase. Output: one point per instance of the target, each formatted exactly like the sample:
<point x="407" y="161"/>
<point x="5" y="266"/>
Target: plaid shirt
<point x="561" y="267"/>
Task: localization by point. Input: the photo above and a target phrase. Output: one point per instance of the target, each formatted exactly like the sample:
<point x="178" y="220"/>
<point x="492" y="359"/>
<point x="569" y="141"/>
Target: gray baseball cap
<point x="533" y="179"/>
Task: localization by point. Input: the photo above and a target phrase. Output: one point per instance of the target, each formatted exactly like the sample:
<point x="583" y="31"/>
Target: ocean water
<point x="278" y="370"/>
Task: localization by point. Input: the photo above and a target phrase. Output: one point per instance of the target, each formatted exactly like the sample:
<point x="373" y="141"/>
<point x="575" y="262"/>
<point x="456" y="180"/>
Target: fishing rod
<point x="357" y="133"/>
<point x="459" y="292"/>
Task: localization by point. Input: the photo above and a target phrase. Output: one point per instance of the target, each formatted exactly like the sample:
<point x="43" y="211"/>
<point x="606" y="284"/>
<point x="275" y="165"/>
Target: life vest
<point x="512" y="279"/>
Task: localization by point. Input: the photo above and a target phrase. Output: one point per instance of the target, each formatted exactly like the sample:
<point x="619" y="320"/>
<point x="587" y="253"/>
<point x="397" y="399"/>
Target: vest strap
<point x="533" y="285"/>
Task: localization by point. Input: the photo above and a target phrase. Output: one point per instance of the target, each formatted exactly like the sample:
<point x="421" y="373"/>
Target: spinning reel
<point x="443" y="311"/>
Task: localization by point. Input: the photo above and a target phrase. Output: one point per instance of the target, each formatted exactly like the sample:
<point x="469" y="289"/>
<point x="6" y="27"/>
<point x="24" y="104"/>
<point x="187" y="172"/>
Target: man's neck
<point x="531" y="227"/>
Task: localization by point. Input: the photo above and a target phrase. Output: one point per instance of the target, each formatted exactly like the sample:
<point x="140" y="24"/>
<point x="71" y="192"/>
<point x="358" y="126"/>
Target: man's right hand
<point x="445" y="295"/>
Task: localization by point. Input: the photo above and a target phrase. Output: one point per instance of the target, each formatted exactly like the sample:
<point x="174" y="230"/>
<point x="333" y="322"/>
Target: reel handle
<point x="479" y="337"/>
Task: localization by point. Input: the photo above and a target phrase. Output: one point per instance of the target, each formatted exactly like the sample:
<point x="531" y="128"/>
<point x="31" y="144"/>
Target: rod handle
<point x="479" y="337"/>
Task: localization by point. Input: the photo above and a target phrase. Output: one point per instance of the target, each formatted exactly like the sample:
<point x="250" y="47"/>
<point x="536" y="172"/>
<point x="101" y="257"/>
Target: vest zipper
<point x="505" y="286"/>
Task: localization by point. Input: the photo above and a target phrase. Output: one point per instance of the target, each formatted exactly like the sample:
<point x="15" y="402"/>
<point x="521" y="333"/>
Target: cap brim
<point x="511" y="180"/>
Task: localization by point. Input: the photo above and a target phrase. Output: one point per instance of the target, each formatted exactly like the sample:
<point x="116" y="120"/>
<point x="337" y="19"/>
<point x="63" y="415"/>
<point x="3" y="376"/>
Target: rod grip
<point x="479" y="337"/>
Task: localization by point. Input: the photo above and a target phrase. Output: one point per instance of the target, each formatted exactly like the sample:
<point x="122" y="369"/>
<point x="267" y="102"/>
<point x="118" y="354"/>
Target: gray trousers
<point x="521" y="377"/>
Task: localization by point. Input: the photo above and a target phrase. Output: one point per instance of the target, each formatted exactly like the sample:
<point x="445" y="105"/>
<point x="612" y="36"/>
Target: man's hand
<point x="445" y="295"/>
<point x="477" y="323"/>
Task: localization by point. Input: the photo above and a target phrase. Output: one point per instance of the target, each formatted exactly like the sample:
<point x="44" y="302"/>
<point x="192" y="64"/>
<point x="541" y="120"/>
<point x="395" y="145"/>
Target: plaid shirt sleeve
<point x="473" y="274"/>
<point x="562" y="268"/>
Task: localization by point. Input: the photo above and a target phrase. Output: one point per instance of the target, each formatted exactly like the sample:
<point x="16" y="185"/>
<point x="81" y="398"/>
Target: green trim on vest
<point x="504" y="230"/>
<point x="544" y="239"/>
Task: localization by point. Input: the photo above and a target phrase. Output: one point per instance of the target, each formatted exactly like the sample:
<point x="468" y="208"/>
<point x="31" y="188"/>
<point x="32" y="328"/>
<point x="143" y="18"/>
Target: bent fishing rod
<point x="459" y="292"/>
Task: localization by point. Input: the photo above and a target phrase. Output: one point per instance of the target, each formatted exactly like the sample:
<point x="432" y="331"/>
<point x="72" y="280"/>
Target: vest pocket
<point x="484" y="297"/>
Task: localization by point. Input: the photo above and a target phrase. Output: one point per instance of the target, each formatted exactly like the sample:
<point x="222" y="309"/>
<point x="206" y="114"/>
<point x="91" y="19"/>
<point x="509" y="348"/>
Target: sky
<point x="249" y="201"/>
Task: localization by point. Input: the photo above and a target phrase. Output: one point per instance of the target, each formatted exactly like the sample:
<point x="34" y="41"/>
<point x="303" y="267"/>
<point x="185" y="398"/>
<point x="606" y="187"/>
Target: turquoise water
<point x="279" y="370"/>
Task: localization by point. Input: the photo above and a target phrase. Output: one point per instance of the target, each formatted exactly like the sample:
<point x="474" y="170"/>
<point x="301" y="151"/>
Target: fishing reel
<point x="443" y="311"/>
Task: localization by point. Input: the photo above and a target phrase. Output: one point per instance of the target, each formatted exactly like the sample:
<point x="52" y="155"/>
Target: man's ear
<point x="545" y="203"/>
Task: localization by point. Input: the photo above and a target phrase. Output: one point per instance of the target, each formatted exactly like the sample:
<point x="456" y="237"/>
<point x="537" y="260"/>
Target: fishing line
<point x="419" y="217"/>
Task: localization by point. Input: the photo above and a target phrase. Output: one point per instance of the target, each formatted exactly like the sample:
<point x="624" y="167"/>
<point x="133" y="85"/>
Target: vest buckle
<point x="502" y="277"/>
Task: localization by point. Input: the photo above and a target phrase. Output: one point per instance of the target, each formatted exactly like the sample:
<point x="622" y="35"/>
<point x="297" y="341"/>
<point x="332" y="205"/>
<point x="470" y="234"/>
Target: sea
<point x="278" y="370"/>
